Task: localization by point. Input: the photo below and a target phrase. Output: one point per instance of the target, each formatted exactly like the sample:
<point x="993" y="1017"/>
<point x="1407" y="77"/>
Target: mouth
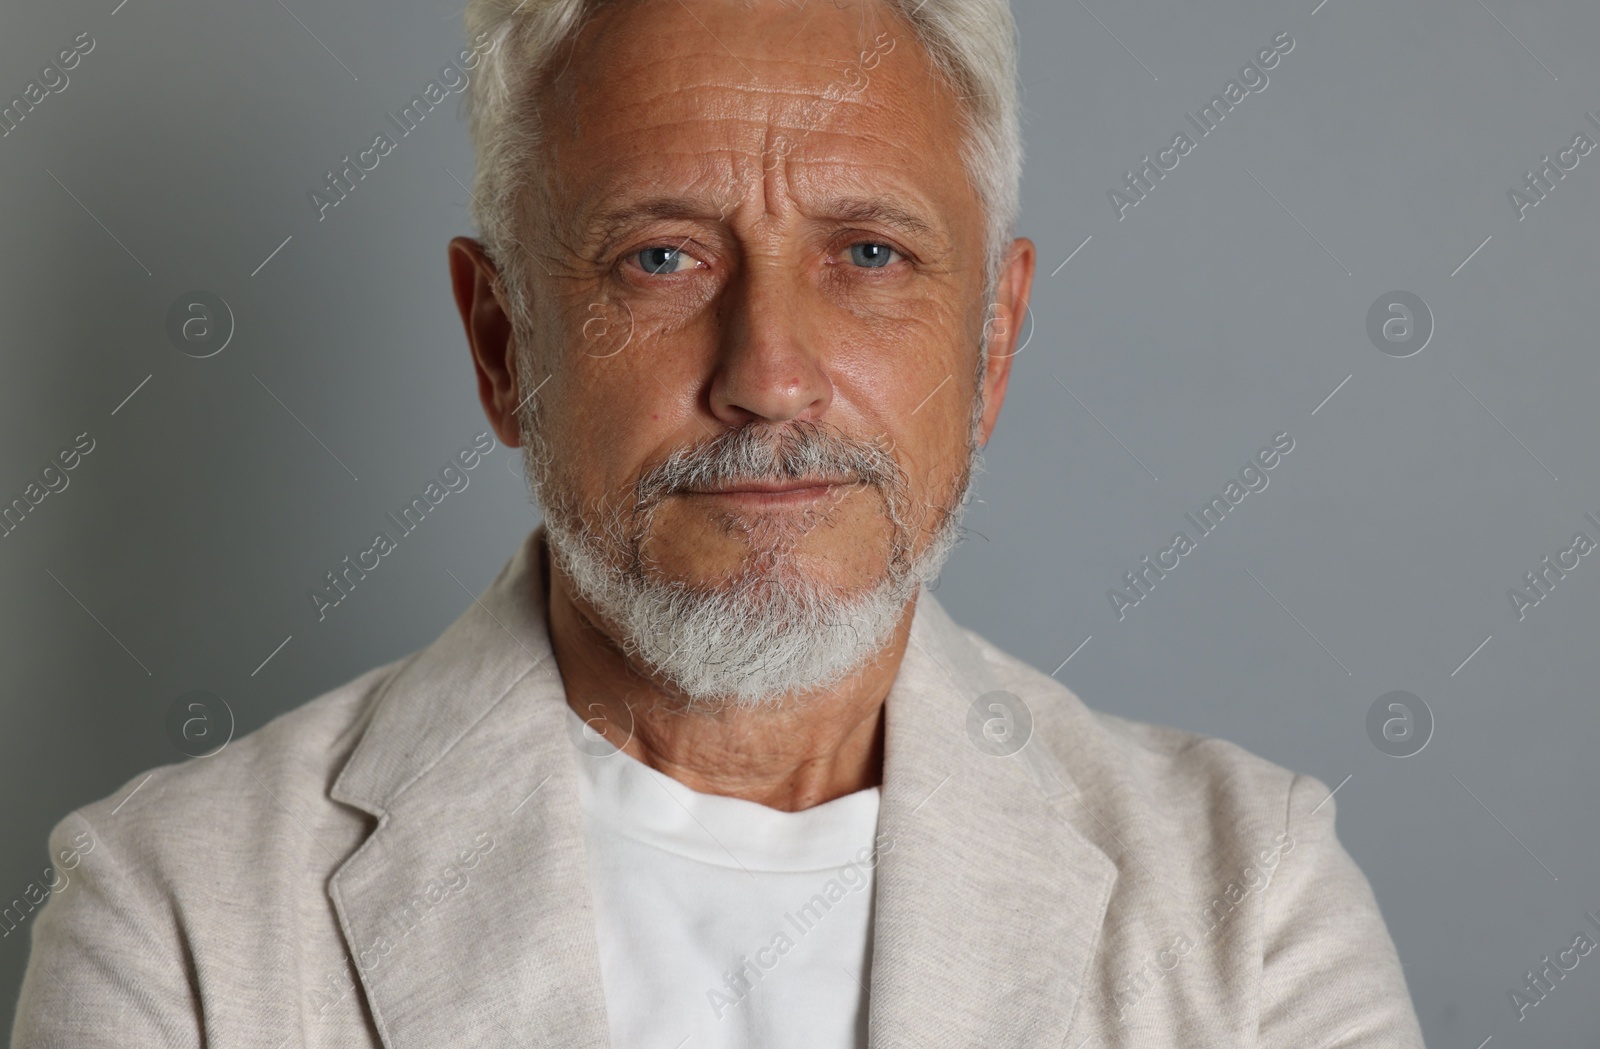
<point x="792" y="492"/>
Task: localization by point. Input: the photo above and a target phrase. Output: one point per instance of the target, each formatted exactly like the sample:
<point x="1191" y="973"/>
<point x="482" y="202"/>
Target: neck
<point x="809" y="750"/>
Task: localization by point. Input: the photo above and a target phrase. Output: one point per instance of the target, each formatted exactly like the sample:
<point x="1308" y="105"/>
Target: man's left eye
<point x="871" y="255"/>
<point x="664" y="260"/>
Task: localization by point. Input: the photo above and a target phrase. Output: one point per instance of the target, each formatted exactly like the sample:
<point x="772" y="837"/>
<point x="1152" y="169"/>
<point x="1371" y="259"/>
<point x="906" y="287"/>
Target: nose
<point x="770" y="364"/>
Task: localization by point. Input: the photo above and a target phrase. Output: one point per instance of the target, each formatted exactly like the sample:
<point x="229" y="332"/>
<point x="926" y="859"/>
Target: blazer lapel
<point x="989" y="900"/>
<point x="467" y="912"/>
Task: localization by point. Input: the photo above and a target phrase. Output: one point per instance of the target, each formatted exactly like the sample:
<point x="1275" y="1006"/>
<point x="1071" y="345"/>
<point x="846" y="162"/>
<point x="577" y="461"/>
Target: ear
<point x="1003" y="327"/>
<point x="489" y="334"/>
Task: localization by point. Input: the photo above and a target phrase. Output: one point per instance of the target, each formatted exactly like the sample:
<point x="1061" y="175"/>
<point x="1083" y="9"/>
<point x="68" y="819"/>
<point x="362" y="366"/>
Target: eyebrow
<point x="605" y="226"/>
<point x="877" y="209"/>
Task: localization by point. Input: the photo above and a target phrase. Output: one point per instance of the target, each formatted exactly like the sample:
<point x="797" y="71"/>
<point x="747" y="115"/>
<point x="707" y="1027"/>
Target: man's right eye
<point x="664" y="260"/>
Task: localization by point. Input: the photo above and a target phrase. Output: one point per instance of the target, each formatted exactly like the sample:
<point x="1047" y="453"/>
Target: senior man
<point x="707" y="765"/>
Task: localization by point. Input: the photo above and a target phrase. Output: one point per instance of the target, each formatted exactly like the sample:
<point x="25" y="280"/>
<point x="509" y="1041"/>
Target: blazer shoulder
<point x="280" y="773"/>
<point x="1154" y="775"/>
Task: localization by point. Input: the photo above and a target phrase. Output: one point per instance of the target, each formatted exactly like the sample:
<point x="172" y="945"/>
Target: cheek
<point x="913" y="379"/>
<point x="611" y="414"/>
<point x="901" y="352"/>
<point x="580" y="423"/>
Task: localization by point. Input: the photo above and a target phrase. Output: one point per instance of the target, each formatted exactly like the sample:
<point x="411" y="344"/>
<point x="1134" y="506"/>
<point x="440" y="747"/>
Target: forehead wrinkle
<point x="812" y="78"/>
<point x="864" y="199"/>
<point x="869" y="187"/>
<point x="745" y="139"/>
<point x="796" y="105"/>
<point x="887" y="158"/>
<point x="820" y="147"/>
<point x="786" y="102"/>
<point x="711" y="62"/>
<point x="611" y="203"/>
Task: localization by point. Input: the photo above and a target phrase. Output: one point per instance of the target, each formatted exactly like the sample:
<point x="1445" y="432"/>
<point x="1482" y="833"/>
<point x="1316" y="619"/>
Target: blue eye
<point x="871" y="256"/>
<point x="663" y="260"/>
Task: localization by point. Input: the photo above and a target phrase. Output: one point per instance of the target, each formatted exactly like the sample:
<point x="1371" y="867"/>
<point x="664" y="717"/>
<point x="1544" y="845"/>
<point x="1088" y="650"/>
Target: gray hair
<point x="972" y="44"/>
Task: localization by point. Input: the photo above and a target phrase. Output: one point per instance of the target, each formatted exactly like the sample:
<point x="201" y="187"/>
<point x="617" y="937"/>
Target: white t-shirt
<point x="724" y="924"/>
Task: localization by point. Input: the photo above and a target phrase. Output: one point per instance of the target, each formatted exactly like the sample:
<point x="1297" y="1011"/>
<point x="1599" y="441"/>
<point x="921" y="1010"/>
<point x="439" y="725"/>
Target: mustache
<point x="767" y="452"/>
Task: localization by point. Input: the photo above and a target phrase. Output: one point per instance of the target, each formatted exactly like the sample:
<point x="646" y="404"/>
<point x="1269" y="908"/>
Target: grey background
<point x="1208" y="319"/>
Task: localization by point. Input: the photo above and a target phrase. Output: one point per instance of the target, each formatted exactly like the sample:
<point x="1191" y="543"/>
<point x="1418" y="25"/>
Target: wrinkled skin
<point x="773" y="153"/>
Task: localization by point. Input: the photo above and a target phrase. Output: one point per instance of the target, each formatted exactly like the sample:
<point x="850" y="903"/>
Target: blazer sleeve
<point x="1330" y="975"/>
<point x="108" y="966"/>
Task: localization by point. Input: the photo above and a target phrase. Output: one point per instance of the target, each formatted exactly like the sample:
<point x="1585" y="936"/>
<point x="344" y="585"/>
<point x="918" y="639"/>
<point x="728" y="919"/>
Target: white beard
<point x="772" y="632"/>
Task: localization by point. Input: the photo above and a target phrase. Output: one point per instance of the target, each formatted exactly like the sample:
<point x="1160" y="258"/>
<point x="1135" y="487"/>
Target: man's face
<point x="757" y="217"/>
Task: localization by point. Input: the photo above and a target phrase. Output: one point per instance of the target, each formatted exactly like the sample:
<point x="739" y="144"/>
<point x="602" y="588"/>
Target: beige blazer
<point x="401" y="863"/>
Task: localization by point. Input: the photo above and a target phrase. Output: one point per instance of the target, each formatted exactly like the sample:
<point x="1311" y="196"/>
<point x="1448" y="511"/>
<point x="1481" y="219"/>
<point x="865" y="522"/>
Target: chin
<point x="847" y="554"/>
<point x="841" y="569"/>
<point x="764" y="627"/>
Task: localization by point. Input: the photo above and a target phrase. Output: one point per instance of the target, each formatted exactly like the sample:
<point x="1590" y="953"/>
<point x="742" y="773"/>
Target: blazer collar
<point x="468" y="910"/>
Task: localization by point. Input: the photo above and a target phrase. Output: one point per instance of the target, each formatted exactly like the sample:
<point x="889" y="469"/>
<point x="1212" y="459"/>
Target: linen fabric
<point x="402" y="863"/>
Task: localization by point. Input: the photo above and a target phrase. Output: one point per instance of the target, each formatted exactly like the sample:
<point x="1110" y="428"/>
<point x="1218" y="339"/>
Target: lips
<point x="771" y="487"/>
<point x="775" y="493"/>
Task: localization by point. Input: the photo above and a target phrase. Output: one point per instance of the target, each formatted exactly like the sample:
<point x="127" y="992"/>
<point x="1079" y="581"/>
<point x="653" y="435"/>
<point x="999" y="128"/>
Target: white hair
<point x="972" y="44"/>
